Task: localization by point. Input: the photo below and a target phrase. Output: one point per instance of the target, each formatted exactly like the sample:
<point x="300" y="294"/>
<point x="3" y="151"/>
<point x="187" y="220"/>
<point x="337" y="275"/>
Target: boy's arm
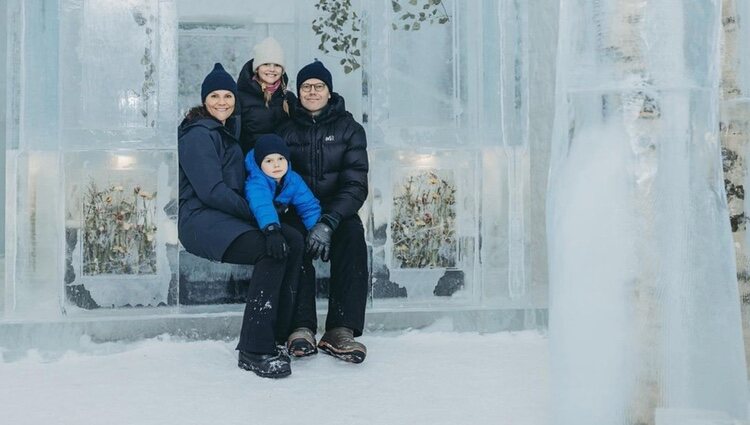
<point x="259" y="195"/>
<point x="304" y="202"/>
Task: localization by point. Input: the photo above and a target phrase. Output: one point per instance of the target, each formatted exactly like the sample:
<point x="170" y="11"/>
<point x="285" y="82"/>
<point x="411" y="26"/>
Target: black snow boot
<point x="281" y="351"/>
<point x="301" y="343"/>
<point x="340" y="343"/>
<point x="265" y="365"/>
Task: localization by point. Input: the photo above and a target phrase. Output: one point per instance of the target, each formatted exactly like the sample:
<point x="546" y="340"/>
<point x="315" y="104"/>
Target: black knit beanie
<point x="314" y="70"/>
<point x="268" y="144"/>
<point x="218" y="79"/>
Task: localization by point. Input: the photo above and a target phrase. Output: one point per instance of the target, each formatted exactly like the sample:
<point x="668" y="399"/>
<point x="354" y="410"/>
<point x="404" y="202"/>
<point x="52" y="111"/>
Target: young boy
<point x="272" y="187"/>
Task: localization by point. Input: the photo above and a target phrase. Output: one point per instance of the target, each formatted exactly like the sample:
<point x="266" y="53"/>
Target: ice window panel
<point x="120" y="228"/>
<point x="112" y="94"/>
<point x="423" y="225"/>
<point x="202" y="45"/>
<point x="116" y="73"/>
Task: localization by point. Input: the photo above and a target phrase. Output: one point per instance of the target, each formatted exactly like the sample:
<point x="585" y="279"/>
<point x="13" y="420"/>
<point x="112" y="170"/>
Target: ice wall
<point x="644" y="308"/>
<point x="453" y="110"/>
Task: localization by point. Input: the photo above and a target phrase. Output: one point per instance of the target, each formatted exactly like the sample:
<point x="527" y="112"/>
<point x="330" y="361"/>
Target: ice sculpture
<point x="644" y="308"/>
<point x="735" y="135"/>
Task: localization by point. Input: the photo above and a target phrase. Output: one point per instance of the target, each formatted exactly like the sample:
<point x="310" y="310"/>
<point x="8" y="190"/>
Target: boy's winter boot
<point x="340" y="343"/>
<point x="265" y="365"/>
<point x="301" y="343"/>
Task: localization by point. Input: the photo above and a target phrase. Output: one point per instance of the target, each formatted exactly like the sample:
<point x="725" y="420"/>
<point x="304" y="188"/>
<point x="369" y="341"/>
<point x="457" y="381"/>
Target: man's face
<point x="314" y="95"/>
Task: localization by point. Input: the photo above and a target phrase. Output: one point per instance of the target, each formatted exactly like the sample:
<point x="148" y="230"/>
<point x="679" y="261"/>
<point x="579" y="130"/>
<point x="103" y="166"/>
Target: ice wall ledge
<point x="57" y="335"/>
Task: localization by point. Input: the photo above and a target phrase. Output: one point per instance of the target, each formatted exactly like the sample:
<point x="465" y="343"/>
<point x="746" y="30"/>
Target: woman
<point x="262" y="93"/>
<point x="214" y="223"/>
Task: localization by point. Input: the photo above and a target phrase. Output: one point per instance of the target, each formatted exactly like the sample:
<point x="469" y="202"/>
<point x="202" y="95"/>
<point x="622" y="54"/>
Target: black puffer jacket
<point x="213" y="209"/>
<point x="330" y="153"/>
<point x="257" y="118"/>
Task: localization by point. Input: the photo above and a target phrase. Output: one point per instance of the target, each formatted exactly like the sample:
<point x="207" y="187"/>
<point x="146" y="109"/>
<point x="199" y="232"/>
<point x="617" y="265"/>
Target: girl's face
<point x="274" y="166"/>
<point x="269" y="73"/>
<point x="220" y="104"/>
<point x="314" y="95"/>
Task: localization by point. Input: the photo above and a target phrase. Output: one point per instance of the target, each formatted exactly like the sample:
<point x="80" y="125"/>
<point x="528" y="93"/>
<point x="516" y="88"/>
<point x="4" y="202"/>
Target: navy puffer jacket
<point x="329" y="151"/>
<point x="213" y="210"/>
<point x="257" y="118"/>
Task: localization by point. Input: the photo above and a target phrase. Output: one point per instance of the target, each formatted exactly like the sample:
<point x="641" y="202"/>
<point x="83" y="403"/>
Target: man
<point x="329" y="150"/>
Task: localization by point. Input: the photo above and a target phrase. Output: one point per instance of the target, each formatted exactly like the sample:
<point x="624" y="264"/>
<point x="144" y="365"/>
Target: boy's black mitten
<point x="275" y="243"/>
<point x="319" y="241"/>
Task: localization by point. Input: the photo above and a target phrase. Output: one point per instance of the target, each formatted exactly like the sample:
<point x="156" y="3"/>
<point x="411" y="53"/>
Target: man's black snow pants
<point x="347" y="288"/>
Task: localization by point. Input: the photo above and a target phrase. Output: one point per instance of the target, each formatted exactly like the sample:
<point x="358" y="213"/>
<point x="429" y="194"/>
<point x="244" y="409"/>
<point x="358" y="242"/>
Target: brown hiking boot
<point x="340" y="343"/>
<point x="301" y="343"/>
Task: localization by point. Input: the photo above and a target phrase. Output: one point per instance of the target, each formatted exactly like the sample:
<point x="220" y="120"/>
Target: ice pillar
<point x="735" y="134"/>
<point x="644" y="308"/>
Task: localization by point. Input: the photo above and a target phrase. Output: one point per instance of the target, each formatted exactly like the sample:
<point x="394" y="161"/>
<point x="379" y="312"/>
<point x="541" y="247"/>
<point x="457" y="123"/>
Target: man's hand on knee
<point x="319" y="241"/>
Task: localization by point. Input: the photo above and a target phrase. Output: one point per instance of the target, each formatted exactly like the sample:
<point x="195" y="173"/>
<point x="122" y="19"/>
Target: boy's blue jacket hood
<point x="260" y="190"/>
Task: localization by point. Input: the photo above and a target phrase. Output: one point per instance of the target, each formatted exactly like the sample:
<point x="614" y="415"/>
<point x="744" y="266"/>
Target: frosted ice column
<point x="644" y="308"/>
<point x="515" y="119"/>
<point x="33" y="236"/>
<point x="735" y="135"/>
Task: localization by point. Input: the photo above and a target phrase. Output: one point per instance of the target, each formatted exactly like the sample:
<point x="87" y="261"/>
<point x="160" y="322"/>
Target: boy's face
<point x="274" y="166"/>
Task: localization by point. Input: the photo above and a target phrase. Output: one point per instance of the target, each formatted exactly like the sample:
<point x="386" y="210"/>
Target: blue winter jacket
<point x="260" y="190"/>
<point x="213" y="212"/>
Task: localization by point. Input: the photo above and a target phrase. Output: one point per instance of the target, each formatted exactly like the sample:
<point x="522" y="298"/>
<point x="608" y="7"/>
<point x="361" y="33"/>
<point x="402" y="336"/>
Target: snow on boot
<point x="265" y="365"/>
<point x="282" y="352"/>
<point x="301" y="343"/>
<point x="340" y="343"/>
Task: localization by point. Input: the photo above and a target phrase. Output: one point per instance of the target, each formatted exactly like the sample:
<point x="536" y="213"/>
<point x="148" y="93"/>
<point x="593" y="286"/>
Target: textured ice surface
<point x="644" y="309"/>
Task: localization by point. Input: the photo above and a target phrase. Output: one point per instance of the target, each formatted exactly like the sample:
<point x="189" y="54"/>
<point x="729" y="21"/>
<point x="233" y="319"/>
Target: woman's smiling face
<point x="220" y="104"/>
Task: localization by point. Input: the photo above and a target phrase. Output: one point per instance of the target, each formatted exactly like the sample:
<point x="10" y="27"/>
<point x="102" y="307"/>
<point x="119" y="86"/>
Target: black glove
<point x="275" y="243"/>
<point x="319" y="241"/>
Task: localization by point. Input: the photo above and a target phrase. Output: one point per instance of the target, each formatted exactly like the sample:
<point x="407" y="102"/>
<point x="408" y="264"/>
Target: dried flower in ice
<point x="423" y="223"/>
<point x="146" y="195"/>
<point x="118" y="231"/>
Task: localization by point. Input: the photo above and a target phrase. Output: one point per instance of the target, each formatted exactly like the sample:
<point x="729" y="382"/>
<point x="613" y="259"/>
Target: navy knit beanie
<point x="218" y="79"/>
<point x="268" y="144"/>
<point x="314" y="70"/>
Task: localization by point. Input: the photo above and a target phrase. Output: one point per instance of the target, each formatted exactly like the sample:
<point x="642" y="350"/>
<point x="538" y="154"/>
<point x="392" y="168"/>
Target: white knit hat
<point x="268" y="51"/>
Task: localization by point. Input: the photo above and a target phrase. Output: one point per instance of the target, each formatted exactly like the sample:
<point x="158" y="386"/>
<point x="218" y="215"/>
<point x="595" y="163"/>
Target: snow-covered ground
<point x="412" y="377"/>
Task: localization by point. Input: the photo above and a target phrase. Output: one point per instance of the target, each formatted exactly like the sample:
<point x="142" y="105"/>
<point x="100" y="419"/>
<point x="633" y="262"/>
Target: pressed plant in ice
<point x="423" y="226"/>
<point x="118" y="230"/>
<point x="148" y="89"/>
<point x="339" y="26"/>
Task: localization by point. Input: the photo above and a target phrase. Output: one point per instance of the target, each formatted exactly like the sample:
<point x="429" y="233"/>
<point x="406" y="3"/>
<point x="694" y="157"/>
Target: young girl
<point x="262" y="93"/>
<point x="215" y="223"/>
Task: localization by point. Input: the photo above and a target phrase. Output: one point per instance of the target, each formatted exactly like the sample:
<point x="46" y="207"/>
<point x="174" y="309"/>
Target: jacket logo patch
<point x="329" y="138"/>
